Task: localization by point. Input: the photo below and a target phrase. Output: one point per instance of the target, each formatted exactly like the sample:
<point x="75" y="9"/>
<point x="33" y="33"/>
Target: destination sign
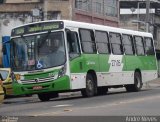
<point x="37" y="27"/>
<point x="19" y="30"/>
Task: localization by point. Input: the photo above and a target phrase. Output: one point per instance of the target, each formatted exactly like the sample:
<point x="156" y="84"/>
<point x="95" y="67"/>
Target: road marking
<point x="57" y="112"/>
<point x="49" y="113"/>
<point x="53" y="113"/>
<point x="65" y="105"/>
<point x="122" y="102"/>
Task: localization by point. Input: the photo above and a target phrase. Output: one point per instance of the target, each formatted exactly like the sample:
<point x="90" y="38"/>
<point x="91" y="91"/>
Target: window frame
<point x="134" y="37"/>
<point x="121" y="45"/>
<point x="132" y="44"/>
<point x="152" y="44"/>
<point x="92" y="41"/>
<point x="108" y="43"/>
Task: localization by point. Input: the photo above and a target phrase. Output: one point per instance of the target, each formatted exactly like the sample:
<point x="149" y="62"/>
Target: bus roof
<point x="105" y="28"/>
<point x="76" y="24"/>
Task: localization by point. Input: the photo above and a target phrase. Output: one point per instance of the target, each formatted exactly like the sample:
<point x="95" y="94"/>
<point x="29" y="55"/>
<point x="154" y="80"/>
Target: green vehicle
<point x="50" y="57"/>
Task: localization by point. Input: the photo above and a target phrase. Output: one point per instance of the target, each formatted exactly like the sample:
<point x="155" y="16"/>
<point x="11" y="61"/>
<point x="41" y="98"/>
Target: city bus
<point x="55" y="56"/>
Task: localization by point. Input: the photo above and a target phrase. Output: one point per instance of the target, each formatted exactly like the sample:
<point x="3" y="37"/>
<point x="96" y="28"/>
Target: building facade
<point x="105" y="12"/>
<point x="133" y="16"/>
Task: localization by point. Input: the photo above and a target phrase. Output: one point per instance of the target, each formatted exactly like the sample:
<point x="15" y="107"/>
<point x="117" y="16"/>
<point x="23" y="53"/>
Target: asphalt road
<point x="116" y="103"/>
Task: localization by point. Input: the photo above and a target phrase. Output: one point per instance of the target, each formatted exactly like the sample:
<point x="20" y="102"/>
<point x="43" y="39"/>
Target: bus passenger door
<point x="75" y="60"/>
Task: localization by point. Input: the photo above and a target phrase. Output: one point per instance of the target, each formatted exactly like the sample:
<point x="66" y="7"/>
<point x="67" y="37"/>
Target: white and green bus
<point x="50" y="57"/>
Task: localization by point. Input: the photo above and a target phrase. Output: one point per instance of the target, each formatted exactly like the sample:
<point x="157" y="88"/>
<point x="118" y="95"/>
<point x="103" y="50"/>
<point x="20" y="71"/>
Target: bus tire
<point x="137" y="83"/>
<point x="91" y="87"/>
<point x="44" y="97"/>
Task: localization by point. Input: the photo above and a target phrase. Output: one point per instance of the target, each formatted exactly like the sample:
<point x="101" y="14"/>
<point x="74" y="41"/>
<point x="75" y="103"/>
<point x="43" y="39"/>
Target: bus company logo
<point x="37" y="80"/>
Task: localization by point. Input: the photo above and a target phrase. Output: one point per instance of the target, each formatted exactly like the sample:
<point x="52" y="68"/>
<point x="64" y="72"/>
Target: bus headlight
<point x="62" y="71"/>
<point x="17" y="76"/>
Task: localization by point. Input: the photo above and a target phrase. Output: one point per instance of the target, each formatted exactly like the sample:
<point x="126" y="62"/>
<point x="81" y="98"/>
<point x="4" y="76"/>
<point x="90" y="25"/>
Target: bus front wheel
<point x="90" y="89"/>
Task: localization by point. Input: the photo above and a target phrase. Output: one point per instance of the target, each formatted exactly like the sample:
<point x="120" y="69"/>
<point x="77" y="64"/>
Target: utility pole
<point x="45" y="9"/>
<point x="147" y="14"/>
<point x="138" y="15"/>
<point x="147" y="24"/>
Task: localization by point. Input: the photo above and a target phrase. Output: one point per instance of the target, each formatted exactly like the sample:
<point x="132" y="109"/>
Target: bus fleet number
<point x="115" y="62"/>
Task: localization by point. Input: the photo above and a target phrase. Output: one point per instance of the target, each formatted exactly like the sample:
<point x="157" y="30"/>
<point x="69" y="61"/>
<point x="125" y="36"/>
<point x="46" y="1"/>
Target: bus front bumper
<point x="60" y="84"/>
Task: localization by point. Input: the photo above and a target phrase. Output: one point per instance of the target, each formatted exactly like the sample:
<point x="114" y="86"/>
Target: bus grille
<point x="38" y="80"/>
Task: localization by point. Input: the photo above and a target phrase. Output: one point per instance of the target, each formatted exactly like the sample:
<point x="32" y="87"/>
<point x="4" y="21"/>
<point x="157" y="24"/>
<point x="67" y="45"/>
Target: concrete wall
<point x="93" y="17"/>
<point x="18" y="7"/>
<point x="21" y="1"/>
<point x="65" y="8"/>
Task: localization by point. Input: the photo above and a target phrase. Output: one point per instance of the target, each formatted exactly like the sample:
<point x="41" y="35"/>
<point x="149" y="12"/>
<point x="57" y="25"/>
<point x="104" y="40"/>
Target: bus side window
<point x="128" y="44"/>
<point x="72" y="44"/>
<point x="149" y="48"/>
<point x="88" y="41"/>
<point x="139" y="45"/>
<point x="115" y="40"/>
<point x="102" y="42"/>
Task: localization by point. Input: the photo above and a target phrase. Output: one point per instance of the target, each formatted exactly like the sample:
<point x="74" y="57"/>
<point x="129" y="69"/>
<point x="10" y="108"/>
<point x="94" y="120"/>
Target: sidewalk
<point x="157" y="81"/>
<point x="152" y="83"/>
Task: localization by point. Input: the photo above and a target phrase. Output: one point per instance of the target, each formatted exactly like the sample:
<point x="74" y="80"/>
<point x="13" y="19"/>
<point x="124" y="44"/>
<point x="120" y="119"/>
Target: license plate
<point x="37" y="87"/>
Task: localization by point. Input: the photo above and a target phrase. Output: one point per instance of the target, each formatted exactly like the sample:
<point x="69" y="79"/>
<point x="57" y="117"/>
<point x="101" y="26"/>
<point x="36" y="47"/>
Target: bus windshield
<point x="38" y="51"/>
